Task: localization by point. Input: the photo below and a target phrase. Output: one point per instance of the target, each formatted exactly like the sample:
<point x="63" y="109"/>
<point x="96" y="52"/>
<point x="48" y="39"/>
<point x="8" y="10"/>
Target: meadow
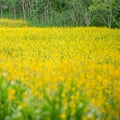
<point x="59" y="73"/>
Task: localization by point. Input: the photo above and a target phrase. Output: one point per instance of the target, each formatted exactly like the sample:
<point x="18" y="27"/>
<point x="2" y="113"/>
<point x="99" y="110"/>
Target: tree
<point x="64" y="12"/>
<point x="104" y="10"/>
<point x="3" y="6"/>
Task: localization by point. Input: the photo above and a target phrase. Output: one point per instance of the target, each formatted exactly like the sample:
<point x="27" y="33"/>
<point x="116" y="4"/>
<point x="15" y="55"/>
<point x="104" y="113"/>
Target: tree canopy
<point x="64" y="12"/>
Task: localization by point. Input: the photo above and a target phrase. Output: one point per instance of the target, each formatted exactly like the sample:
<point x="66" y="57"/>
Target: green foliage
<point x="18" y="103"/>
<point x="63" y="12"/>
<point x="105" y="11"/>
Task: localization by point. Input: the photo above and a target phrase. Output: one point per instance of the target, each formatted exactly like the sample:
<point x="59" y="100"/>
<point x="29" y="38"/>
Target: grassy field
<point x="59" y="73"/>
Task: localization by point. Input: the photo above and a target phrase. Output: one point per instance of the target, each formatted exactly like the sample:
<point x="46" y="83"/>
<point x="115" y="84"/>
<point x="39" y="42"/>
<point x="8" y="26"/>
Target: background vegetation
<point x="63" y="12"/>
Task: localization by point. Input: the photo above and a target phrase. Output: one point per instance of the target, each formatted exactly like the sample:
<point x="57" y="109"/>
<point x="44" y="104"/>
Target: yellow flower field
<point x="59" y="73"/>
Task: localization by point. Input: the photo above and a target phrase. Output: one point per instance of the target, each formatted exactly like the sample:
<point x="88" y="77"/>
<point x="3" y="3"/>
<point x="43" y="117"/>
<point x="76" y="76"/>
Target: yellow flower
<point x="11" y="94"/>
<point x="63" y="116"/>
<point x="26" y="95"/>
<point x="73" y="112"/>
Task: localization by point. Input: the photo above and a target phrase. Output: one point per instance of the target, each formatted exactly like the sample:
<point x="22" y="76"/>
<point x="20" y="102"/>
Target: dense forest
<point x="63" y="12"/>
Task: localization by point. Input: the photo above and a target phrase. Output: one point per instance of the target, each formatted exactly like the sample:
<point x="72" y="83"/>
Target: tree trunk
<point x="45" y="14"/>
<point x="30" y="9"/>
<point x="110" y="19"/>
<point x="14" y="13"/>
<point x="1" y="10"/>
<point x="36" y="4"/>
<point x="51" y="14"/>
<point x="23" y="7"/>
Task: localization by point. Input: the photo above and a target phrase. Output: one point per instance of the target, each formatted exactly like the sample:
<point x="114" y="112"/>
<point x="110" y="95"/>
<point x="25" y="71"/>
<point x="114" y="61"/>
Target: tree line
<point x="64" y="12"/>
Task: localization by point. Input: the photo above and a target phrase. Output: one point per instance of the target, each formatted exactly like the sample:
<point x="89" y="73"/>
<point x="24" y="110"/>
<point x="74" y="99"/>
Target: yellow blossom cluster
<point x="72" y="61"/>
<point x="12" y="23"/>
